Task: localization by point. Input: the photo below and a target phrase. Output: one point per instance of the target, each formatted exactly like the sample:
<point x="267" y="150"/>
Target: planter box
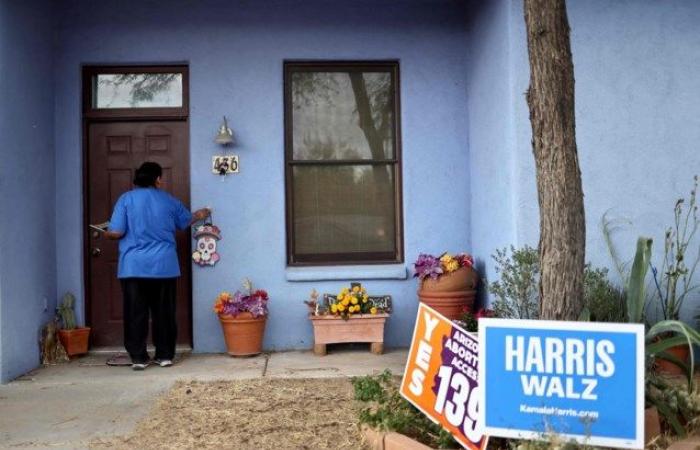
<point x="388" y="440"/>
<point x="330" y="329"/>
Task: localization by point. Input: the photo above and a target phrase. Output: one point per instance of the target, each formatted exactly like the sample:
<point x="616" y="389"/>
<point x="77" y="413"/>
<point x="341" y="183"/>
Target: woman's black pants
<point x="157" y="296"/>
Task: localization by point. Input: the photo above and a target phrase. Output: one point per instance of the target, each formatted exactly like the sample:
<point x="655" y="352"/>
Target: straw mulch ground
<point x="249" y="414"/>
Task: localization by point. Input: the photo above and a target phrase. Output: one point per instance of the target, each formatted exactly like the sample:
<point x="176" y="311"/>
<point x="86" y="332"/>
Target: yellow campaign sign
<point x="441" y="377"/>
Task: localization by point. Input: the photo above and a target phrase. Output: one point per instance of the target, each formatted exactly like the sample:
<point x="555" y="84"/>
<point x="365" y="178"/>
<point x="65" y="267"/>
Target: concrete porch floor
<point x="69" y="405"/>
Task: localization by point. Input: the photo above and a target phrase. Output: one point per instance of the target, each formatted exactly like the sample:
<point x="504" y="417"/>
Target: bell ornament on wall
<point x="225" y="134"/>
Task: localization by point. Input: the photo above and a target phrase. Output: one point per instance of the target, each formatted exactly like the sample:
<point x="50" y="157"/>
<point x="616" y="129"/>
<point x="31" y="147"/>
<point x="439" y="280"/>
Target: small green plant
<point x="65" y="310"/>
<point x="388" y="411"/>
<point x="517" y="291"/>
<point x="674" y="281"/>
<point x="605" y="302"/>
<point x="469" y="321"/>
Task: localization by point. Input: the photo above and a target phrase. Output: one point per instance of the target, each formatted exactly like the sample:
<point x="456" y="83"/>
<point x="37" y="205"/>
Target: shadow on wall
<point x="482" y="295"/>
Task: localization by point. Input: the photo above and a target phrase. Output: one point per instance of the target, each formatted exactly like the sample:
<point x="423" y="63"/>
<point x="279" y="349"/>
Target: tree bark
<point x="550" y="98"/>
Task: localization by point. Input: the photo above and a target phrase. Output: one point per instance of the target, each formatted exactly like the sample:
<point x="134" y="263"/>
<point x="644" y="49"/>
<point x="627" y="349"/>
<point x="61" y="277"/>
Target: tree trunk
<point x="551" y="101"/>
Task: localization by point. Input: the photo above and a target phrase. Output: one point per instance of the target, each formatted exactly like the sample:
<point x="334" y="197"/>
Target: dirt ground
<point x="249" y="414"/>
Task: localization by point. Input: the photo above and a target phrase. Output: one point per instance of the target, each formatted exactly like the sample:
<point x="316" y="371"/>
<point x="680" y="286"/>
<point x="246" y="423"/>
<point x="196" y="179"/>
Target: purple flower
<point x="255" y="303"/>
<point x="427" y="266"/>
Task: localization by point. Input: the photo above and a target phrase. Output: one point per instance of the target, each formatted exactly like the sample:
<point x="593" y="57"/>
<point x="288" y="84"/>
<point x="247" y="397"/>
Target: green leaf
<point x="636" y="295"/>
<point x="662" y="345"/>
<point x="686" y="335"/>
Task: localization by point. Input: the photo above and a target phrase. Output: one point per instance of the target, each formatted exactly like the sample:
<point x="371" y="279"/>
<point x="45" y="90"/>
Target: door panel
<point x="115" y="150"/>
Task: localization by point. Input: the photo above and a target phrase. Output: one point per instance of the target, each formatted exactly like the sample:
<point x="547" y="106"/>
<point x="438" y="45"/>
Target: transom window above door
<point x="343" y="166"/>
<point x="136" y="91"/>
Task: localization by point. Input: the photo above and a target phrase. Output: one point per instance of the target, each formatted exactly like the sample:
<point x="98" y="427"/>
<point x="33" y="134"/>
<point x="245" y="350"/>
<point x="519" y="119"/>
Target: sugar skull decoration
<point x="206" y="236"/>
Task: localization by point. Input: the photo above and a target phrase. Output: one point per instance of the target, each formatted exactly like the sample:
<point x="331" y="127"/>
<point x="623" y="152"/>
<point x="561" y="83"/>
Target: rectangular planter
<point x="75" y="341"/>
<point x="330" y="329"/>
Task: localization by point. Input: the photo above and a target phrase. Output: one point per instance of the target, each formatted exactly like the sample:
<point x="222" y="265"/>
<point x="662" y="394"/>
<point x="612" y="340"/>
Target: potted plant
<point x="659" y="339"/>
<point x="73" y="338"/>
<point x="243" y="316"/>
<point x="351" y="316"/>
<point x="447" y="283"/>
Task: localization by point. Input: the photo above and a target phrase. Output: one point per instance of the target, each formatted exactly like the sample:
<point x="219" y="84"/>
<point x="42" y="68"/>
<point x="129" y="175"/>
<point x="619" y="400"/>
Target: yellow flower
<point x="334" y="308"/>
<point x="365" y="297"/>
<point x="341" y="307"/>
<point x="355" y="289"/>
<point x="344" y="290"/>
<point x="364" y="300"/>
<point x="345" y="301"/>
<point x="373" y="310"/>
<point x="353" y="301"/>
<point x="452" y="266"/>
<point x="340" y="296"/>
<point x="446" y="258"/>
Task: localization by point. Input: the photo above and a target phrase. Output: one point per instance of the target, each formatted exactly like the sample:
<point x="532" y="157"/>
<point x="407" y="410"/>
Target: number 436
<point x="462" y="409"/>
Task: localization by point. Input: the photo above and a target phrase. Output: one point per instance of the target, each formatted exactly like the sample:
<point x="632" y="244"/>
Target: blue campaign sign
<point x="581" y="380"/>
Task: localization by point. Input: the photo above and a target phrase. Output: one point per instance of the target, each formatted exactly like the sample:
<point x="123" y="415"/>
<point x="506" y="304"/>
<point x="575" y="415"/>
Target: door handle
<point x="96" y="252"/>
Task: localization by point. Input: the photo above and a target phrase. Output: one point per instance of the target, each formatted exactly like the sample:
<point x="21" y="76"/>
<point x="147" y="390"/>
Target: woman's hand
<point x="113" y="235"/>
<point x="201" y="214"/>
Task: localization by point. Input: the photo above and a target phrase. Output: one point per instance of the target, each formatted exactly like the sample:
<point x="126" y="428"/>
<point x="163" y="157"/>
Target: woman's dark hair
<point x="147" y="174"/>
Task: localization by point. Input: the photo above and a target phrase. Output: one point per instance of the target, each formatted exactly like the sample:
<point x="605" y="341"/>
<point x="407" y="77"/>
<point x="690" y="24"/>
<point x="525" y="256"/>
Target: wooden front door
<point x="114" y="151"/>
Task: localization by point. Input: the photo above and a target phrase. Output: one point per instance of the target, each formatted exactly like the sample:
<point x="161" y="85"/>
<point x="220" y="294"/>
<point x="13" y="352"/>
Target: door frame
<point x="92" y="115"/>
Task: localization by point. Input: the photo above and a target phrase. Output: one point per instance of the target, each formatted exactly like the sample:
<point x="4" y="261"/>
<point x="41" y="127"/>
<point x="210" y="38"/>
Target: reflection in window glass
<point x="137" y="90"/>
<point x="328" y="113"/>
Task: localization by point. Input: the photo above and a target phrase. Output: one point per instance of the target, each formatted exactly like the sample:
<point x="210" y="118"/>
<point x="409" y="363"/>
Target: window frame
<point x="91" y="112"/>
<point x="333" y="259"/>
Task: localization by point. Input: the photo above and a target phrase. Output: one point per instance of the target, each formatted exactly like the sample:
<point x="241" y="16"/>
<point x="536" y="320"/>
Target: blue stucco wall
<point x="235" y="51"/>
<point x="468" y="171"/>
<point x="491" y="131"/>
<point x="637" y="117"/>
<point x="27" y="236"/>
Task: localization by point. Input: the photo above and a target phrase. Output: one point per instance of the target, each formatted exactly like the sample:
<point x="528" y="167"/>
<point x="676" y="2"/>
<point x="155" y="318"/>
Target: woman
<point x="145" y="220"/>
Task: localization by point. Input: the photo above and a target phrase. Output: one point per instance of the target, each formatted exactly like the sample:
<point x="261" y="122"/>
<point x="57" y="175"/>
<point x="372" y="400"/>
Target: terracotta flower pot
<point x="243" y="333"/>
<point x="681" y="352"/>
<point x="75" y="341"/>
<point x="450" y="294"/>
<point x="462" y="279"/>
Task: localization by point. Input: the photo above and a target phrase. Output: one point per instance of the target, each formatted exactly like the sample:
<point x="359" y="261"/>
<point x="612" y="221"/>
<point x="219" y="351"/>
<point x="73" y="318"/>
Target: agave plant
<point x="660" y="338"/>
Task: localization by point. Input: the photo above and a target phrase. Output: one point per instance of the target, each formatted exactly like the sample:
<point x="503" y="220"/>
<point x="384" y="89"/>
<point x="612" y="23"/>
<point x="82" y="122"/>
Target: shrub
<point x="517" y="291"/>
<point x="388" y="411"/>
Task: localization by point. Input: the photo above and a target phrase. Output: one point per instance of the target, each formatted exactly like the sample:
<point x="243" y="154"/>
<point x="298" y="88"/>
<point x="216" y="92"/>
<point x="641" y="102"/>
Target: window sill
<point x="366" y="272"/>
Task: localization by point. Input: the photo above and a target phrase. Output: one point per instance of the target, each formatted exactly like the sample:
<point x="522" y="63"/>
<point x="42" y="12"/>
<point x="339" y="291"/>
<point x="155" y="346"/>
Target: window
<point x="153" y="91"/>
<point x="343" y="171"/>
<point x="137" y="90"/>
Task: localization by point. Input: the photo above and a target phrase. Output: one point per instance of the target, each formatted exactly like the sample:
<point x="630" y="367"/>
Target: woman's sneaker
<point x="164" y="362"/>
<point x="139" y="366"/>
